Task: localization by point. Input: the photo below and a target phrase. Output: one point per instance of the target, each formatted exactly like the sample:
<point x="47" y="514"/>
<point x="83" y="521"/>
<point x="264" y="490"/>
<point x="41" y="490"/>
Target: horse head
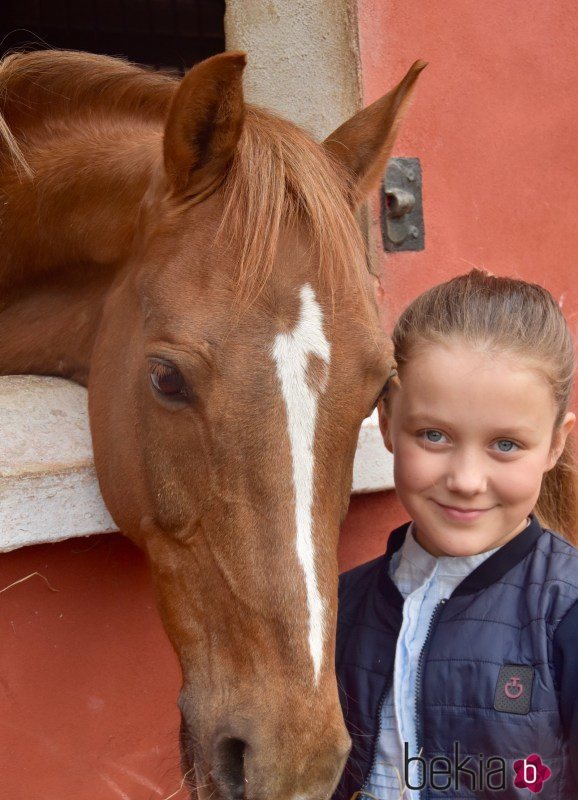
<point x="238" y="353"/>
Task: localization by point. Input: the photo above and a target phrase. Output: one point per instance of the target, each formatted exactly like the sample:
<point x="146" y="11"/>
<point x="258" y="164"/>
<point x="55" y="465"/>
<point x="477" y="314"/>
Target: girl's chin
<point x="459" y="546"/>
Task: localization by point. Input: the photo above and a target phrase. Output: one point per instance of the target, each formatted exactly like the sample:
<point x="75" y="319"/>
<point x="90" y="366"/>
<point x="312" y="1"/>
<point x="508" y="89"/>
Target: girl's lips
<point x="462" y="514"/>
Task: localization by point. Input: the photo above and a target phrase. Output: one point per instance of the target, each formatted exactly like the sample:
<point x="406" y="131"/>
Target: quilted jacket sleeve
<point x="566" y="667"/>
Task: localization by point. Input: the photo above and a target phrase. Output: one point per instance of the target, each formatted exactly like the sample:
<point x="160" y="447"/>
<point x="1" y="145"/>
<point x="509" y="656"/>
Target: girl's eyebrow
<point x="423" y="418"/>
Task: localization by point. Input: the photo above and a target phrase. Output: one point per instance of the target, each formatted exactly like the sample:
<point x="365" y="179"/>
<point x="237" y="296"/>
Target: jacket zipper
<point x="377" y="733"/>
<point x="418" y="686"/>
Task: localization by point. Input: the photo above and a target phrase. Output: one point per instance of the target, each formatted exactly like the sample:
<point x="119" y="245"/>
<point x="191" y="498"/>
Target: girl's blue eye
<point x="433" y="436"/>
<point x="506" y="446"/>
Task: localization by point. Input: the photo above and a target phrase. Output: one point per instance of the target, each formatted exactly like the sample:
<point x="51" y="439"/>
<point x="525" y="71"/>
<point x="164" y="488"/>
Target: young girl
<point x="457" y="651"/>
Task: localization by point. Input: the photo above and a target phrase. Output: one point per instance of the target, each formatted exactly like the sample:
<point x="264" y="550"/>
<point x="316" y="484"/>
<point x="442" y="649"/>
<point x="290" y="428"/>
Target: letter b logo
<point x="530" y="773"/>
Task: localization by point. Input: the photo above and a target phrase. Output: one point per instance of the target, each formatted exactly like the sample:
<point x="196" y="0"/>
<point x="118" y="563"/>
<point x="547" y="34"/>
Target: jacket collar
<point x="490" y="571"/>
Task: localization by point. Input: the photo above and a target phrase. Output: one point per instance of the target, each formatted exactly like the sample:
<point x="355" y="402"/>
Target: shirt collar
<point x="489" y="571"/>
<point x="445" y="566"/>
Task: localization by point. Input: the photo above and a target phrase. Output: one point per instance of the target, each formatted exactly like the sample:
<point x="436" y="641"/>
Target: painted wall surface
<point x="88" y="680"/>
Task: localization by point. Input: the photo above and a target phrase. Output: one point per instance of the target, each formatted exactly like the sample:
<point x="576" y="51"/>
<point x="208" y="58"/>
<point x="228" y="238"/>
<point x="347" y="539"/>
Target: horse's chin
<point x="198" y="789"/>
<point x="204" y="793"/>
<point x="188" y="764"/>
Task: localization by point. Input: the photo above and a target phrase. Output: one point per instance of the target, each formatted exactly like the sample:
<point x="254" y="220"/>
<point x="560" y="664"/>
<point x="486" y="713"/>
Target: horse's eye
<point x="384" y="390"/>
<point x="167" y="380"/>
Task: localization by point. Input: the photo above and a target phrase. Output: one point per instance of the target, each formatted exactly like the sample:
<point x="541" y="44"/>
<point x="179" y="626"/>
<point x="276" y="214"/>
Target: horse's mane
<point x="279" y="176"/>
<point x="45" y="84"/>
<point x="66" y="80"/>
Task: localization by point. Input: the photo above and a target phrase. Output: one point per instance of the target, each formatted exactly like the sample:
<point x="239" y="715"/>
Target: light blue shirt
<point x="423" y="580"/>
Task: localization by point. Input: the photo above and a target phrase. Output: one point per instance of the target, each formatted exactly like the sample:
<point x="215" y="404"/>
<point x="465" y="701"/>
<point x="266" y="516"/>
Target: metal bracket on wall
<point x="402" y="226"/>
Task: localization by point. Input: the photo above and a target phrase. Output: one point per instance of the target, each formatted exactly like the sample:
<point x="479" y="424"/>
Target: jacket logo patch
<point x="514" y="689"/>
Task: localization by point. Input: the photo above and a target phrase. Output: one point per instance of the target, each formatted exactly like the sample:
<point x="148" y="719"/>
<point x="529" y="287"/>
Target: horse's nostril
<point x="230" y="767"/>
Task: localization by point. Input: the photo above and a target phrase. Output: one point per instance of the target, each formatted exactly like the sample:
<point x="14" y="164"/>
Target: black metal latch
<point x="402" y="226"/>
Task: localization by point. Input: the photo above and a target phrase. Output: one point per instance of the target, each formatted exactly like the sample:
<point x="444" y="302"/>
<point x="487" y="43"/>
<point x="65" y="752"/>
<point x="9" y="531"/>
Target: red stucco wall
<point x="88" y="680"/>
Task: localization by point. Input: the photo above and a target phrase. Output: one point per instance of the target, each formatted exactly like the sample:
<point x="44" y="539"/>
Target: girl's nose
<point x="466" y="475"/>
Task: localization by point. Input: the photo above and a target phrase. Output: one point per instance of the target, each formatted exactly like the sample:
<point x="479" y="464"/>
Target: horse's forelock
<point x="280" y="177"/>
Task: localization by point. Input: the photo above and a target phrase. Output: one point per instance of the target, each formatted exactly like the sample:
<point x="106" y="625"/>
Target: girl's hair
<point x="523" y="319"/>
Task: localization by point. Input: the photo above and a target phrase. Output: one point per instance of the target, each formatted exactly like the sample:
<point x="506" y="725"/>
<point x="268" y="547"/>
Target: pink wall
<point x="88" y="680"/>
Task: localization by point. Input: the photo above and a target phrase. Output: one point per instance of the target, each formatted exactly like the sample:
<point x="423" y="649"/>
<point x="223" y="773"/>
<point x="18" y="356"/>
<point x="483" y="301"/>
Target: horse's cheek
<point x="114" y="413"/>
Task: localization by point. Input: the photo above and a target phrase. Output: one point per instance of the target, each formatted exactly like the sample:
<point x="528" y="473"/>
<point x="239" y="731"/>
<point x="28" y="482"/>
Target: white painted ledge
<point x="373" y="464"/>
<point x="48" y="485"/>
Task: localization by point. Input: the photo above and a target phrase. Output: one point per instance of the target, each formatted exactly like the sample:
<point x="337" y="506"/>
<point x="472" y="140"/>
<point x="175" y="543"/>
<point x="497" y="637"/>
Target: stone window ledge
<point x="48" y="485"/>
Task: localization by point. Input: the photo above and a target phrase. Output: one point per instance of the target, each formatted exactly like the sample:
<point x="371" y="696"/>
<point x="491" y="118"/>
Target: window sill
<point x="48" y="485"/>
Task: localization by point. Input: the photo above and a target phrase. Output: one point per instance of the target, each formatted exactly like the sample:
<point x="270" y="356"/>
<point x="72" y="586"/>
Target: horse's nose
<point x="236" y="759"/>
<point x="229" y="770"/>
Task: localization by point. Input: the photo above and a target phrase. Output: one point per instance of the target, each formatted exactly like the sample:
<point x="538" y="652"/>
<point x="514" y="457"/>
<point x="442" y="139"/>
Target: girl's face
<point x="472" y="434"/>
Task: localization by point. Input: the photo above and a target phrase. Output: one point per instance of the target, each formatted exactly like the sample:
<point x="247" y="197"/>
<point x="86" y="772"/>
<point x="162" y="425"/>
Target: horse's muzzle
<point x="241" y="771"/>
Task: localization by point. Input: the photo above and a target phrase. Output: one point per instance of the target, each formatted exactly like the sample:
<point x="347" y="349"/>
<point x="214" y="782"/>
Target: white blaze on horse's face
<point x="292" y="352"/>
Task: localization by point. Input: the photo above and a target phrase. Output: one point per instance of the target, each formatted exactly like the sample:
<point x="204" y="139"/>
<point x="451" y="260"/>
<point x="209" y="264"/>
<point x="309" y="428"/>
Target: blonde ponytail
<point x="557" y="506"/>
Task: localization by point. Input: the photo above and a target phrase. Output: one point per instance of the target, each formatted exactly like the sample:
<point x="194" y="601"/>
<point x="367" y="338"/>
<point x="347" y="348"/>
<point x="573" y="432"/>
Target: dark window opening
<point x="162" y="33"/>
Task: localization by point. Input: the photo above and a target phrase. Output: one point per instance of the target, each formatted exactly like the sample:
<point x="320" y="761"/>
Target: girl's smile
<point x="472" y="432"/>
<point x="462" y="514"/>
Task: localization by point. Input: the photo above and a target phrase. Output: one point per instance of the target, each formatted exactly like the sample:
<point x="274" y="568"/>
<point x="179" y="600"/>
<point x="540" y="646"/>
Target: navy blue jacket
<point x="498" y="672"/>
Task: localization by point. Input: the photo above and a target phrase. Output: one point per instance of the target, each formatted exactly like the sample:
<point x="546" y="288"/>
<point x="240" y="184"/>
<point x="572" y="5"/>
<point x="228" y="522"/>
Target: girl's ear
<point x="559" y="439"/>
<point x="384" y="424"/>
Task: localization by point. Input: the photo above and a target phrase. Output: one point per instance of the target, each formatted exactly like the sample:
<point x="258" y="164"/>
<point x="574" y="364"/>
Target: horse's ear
<point x="364" y="143"/>
<point x="204" y="124"/>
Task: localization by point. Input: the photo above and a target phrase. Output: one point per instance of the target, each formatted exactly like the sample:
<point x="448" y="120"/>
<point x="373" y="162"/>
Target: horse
<point x="195" y="261"/>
